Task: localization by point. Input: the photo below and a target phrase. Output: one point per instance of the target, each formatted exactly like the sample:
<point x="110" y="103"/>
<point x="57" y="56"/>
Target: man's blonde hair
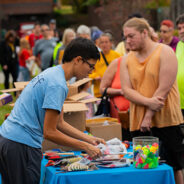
<point x="140" y="24"/>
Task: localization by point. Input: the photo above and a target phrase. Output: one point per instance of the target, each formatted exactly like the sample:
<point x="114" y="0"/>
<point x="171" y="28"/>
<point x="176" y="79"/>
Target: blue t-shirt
<point x="25" y="123"/>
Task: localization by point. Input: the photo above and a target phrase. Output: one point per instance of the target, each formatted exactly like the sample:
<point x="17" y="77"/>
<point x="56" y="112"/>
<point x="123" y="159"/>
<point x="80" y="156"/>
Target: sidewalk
<point x="2" y="78"/>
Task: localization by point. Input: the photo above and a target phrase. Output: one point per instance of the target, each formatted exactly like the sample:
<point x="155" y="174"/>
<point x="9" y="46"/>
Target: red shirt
<point x="24" y="55"/>
<point x="33" y="38"/>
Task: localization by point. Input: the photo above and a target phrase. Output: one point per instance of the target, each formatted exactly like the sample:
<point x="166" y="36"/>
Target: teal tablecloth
<point x="129" y="175"/>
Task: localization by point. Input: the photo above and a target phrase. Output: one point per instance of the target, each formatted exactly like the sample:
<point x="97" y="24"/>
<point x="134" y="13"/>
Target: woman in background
<point x="9" y="59"/>
<point x="24" y="55"/>
<point x="68" y="35"/>
<point x="118" y="103"/>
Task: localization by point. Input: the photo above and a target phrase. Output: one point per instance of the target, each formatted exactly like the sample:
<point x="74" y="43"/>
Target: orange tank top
<point x="144" y="78"/>
<point x="120" y="101"/>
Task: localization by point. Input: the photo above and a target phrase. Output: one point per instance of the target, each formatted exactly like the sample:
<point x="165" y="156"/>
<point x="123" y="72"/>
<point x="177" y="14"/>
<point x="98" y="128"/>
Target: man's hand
<point x="92" y="151"/>
<point x="96" y="140"/>
<point x="156" y="103"/>
<point x="146" y="123"/>
<point x="5" y="67"/>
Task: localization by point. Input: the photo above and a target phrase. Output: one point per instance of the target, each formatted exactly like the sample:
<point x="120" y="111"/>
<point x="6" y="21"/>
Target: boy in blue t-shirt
<point x="38" y="113"/>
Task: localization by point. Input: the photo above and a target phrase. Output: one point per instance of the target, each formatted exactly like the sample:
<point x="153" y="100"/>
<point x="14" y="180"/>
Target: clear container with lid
<point x="145" y="152"/>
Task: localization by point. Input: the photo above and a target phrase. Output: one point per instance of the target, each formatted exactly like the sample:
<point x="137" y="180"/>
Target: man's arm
<point x="52" y="118"/>
<point x="134" y="96"/>
<point x="167" y="77"/>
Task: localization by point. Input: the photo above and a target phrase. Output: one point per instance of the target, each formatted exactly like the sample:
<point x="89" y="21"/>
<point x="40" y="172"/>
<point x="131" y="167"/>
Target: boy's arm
<point x="52" y="118"/>
<point x="77" y="134"/>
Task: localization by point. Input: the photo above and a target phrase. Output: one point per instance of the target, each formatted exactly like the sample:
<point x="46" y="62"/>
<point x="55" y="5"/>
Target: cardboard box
<point x="97" y="128"/>
<point x="5" y="98"/>
<point x="74" y="88"/>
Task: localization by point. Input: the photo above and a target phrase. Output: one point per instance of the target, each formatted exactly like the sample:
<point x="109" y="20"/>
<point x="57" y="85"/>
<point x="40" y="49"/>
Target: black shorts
<point x="19" y="163"/>
<point x="171" y="141"/>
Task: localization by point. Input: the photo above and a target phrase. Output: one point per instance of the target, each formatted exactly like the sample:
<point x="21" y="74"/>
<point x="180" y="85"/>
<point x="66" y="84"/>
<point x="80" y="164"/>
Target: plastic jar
<point x="145" y="152"/>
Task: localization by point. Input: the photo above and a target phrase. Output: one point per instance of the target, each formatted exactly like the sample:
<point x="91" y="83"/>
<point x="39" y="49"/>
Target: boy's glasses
<point x="92" y="66"/>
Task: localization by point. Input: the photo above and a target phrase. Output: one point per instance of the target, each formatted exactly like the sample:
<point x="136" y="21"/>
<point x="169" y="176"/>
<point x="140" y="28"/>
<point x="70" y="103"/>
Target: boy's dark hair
<point x="180" y="19"/>
<point x="80" y="47"/>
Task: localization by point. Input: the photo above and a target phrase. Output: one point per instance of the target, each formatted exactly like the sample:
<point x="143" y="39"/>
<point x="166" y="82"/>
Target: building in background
<point x="15" y="13"/>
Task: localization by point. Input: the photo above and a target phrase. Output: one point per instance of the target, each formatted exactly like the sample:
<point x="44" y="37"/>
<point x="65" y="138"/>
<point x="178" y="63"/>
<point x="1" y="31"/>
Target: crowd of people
<point x="142" y="75"/>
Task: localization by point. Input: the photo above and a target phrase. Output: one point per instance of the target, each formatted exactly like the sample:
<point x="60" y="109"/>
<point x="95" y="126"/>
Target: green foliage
<point x="64" y="10"/>
<point x="4" y="109"/>
<point x="159" y="3"/>
<point x="91" y="2"/>
<point x="62" y="20"/>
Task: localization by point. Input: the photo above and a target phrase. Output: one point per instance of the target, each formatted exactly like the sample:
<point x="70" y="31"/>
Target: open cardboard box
<point x="19" y="86"/>
<point x="109" y="130"/>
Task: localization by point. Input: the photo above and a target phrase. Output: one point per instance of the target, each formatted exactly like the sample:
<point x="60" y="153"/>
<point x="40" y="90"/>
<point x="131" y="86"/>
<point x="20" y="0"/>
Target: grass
<point x="65" y="9"/>
<point x="6" y="108"/>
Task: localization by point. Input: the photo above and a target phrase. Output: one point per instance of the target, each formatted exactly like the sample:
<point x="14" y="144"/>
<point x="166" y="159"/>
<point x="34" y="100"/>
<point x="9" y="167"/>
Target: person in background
<point x="68" y="35"/>
<point x="148" y="80"/>
<point x="84" y="32"/>
<point x="38" y="114"/>
<point x="52" y="24"/>
<point x="180" y="57"/>
<point x="90" y="105"/>
<point x="166" y="34"/>
<point x="58" y="45"/>
<point x="101" y="65"/>
<point x="9" y="58"/>
<point x="111" y="81"/>
<point x="154" y="35"/>
<point x="95" y="36"/>
<point x="24" y="54"/>
<point x="43" y="49"/>
<point x="53" y="28"/>
<point x="35" y="35"/>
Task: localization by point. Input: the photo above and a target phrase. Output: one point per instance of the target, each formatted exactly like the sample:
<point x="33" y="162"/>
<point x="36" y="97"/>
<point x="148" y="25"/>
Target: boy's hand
<point x="92" y="151"/>
<point x="97" y="140"/>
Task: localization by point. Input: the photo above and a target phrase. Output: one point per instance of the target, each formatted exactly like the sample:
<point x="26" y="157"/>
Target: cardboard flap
<point x="102" y="124"/>
<point x="11" y="90"/>
<point x="79" y="96"/>
<point x="100" y="120"/>
<point x="90" y="100"/>
<point x="69" y="101"/>
<point x="81" y="82"/>
<point x="74" y="107"/>
<point x="21" y="85"/>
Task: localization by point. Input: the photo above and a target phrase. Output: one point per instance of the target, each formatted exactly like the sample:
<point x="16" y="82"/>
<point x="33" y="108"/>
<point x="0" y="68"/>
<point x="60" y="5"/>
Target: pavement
<point x="2" y="78"/>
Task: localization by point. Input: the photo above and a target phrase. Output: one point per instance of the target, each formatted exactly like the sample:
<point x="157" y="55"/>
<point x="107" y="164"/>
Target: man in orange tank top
<point x="148" y="76"/>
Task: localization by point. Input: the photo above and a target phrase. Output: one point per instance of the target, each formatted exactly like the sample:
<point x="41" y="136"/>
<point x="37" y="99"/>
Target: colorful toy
<point x="146" y="157"/>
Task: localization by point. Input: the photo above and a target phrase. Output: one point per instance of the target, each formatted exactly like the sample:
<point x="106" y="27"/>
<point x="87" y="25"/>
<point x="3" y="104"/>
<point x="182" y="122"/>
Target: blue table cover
<point x="163" y="174"/>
